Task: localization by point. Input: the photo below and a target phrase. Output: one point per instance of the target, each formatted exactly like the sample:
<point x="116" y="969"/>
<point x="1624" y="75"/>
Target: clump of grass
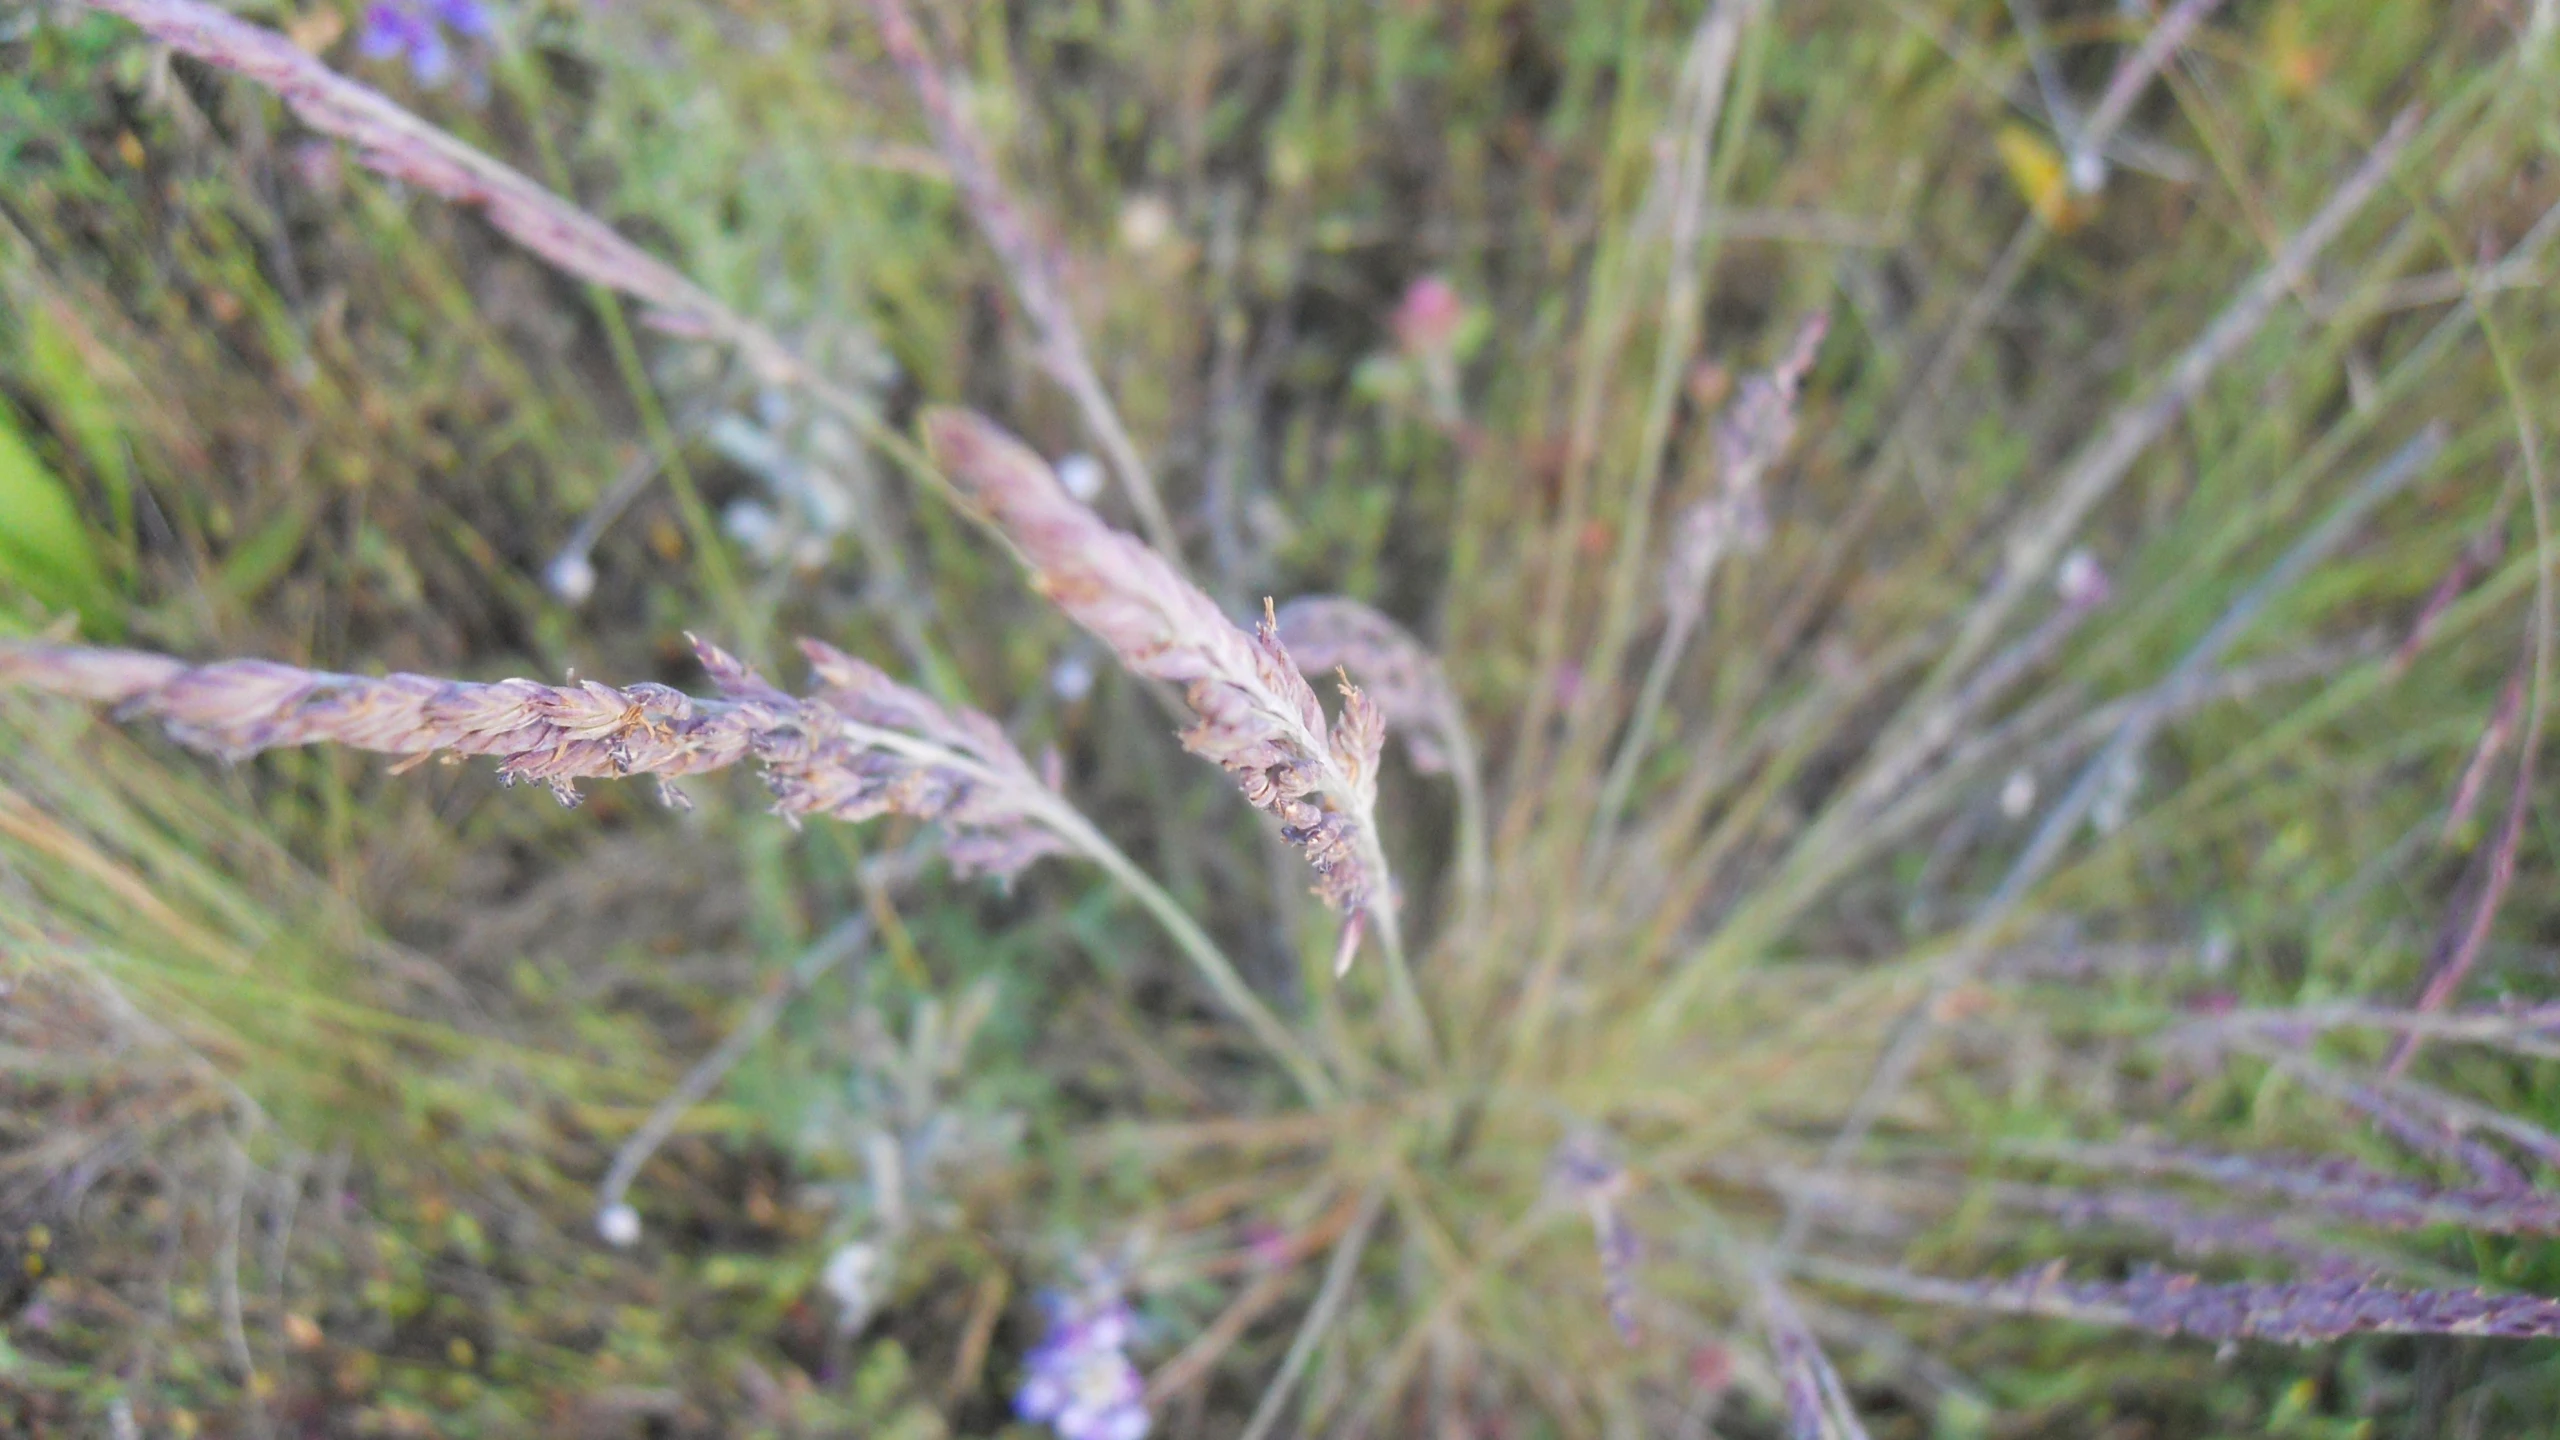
<point x="1961" y="643"/>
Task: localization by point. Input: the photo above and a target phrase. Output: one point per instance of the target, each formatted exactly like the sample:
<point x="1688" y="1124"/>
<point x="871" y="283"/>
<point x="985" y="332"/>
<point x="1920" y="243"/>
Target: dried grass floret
<point x="861" y="746"/>
<point x="1330" y="632"/>
<point x="1256" y="714"/>
<point x="846" y="752"/>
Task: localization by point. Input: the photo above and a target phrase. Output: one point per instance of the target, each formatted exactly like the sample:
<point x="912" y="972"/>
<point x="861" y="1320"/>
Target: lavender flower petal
<point x="1080" y="1380"/>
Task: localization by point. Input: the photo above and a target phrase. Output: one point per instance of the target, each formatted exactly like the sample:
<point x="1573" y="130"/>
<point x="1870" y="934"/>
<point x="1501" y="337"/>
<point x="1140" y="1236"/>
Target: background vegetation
<point x="312" y="1070"/>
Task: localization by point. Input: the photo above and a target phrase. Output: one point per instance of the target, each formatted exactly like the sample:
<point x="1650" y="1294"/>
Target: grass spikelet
<point x="1256" y="715"/>
<point x="864" y="746"/>
<point x="1331" y="632"/>
<point x="401" y="146"/>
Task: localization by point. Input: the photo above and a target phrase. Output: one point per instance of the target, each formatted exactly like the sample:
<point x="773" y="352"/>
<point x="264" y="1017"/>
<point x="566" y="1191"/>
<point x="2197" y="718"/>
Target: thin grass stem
<point x="845" y="942"/>
<point x="1902" y="1051"/>
<point x="1330" y="1298"/>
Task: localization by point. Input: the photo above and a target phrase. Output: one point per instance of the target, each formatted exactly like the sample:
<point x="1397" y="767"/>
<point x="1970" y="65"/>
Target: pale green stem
<point x="1069" y="824"/>
<point x="1196" y="946"/>
<point x="1402" y="996"/>
<point x="1475" y="867"/>
<point x="710" y="558"/>
<point x="1632" y="746"/>
<point x="1330" y="1297"/>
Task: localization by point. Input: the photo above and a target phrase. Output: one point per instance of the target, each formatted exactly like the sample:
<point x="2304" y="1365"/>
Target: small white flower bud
<point x="2079" y="581"/>
<point x="1071" y="679"/>
<point x="570" y="576"/>
<point x="2018" y="796"/>
<point x="1081" y="474"/>
<point x="619" y="1225"/>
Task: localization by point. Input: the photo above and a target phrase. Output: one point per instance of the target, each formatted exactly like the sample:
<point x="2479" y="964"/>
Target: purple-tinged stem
<point x="1027" y="264"/>
<point x="2131" y="78"/>
<point x="2339" y="1189"/>
<point x="395" y="143"/>
<point x="1817" y="1403"/>
<point x="2458" y="948"/>
<point x="2171" y="1303"/>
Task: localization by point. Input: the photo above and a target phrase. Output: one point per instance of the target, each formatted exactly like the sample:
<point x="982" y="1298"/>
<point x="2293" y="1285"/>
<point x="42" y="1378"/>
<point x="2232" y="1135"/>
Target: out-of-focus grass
<point x="367" y="1038"/>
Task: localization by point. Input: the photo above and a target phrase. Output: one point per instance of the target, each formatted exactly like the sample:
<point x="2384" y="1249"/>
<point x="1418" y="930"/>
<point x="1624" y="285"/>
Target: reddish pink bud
<point x="1427" y="319"/>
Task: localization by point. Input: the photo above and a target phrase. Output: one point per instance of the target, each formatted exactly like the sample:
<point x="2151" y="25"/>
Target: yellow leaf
<point x="2043" y="177"/>
<point x="2286" y="50"/>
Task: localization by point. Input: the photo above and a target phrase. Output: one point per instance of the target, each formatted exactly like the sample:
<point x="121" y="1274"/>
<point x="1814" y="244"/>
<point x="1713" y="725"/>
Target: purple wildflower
<point x="415" y="31"/>
<point x="1081" y="1382"/>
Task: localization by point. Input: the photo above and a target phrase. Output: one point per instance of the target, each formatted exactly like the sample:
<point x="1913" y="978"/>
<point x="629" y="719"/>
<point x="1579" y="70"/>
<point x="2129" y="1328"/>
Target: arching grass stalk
<point x="863" y="746"/>
<point x="1197" y="947"/>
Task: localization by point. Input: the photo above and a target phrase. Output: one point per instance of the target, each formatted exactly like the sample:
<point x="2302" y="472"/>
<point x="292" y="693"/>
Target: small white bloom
<point x="619" y="1225"/>
<point x="571" y="576"/>
<point x="1071" y="679"/>
<point x="1146" y="223"/>
<point x="755" y="527"/>
<point x="2088" y="172"/>
<point x="2018" y="796"/>
<point x="1082" y="475"/>
<point x="2080" y="581"/>
<point x="851" y="1278"/>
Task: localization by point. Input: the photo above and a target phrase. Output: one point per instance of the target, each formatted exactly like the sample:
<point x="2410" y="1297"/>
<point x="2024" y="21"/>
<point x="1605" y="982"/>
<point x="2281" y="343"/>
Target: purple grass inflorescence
<point x="1328" y="633"/>
<point x="861" y="747"/>
<point x="1585" y="1176"/>
<point x="1256" y="715"/>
